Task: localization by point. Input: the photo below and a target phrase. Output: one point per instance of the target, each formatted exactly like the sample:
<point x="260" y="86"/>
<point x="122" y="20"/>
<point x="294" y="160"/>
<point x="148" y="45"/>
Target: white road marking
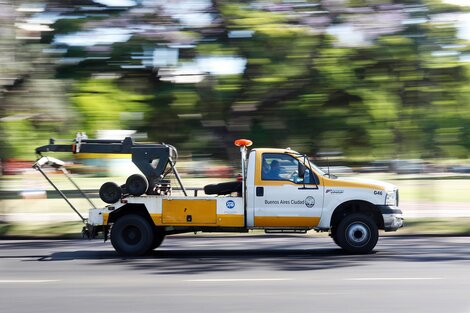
<point x="26" y="281"/>
<point x="237" y="279"/>
<point x="393" y="278"/>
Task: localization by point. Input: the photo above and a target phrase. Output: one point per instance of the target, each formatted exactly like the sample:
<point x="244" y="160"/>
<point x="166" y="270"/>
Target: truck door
<point x="282" y="199"/>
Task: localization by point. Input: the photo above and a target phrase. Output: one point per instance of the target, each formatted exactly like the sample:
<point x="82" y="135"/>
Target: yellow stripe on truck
<point x="223" y="220"/>
<point x="338" y="183"/>
<point x="103" y="156"/>
<point x="230" y="220"/>
<point x="286" y="221"/>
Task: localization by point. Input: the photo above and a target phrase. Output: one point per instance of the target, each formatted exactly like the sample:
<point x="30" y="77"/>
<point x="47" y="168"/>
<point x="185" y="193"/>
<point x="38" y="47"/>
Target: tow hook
<point x="89" y="231"/>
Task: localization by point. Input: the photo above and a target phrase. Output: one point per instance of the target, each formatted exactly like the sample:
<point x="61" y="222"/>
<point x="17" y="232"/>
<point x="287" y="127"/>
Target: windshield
<point x="315" y="168"/>
<point x="306" y="161"/>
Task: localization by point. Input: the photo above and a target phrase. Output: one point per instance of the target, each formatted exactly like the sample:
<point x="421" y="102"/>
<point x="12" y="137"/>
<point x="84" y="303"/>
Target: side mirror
<point x="307" y="177"/>
<point x="301" y="170"/>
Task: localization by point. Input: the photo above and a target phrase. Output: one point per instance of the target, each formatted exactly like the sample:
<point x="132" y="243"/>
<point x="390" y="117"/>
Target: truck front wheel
<point x="333" y="235"/>
<point x="132" y="235"/>
<point x="357" y="234"/>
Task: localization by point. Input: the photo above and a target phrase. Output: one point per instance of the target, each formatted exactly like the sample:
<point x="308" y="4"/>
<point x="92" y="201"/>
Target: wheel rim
<point x="358" y="234"/>
<point x="132" y="235"/>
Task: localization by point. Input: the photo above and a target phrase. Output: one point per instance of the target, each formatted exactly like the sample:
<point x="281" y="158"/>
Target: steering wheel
<point x="294" y="177"/>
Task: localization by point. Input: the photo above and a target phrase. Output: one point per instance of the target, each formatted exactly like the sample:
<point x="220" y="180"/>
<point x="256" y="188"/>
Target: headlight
<point x="392" y="198"/>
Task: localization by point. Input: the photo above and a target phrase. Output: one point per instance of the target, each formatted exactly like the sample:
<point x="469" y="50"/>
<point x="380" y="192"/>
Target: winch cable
<point x="38" y="168"/>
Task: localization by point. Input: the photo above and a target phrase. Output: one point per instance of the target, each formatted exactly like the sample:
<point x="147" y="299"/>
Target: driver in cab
<point x="275" y="170"/>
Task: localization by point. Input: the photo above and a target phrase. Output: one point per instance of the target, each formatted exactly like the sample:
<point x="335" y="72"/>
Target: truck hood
<point x="371" y="183"/>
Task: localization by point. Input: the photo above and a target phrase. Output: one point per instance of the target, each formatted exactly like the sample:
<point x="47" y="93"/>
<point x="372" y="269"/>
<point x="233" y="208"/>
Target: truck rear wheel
<point x="157" y="240"/>
<point x="357" y="234"/>
<point x="132" y="235"/>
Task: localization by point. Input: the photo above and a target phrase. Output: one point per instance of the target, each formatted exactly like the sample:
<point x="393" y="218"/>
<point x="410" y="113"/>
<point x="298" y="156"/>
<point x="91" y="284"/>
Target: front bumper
<point x="392" y="216"/>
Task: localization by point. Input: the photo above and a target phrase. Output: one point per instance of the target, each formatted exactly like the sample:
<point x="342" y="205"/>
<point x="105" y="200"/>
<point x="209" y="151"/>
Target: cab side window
<point x="276" y="166"/>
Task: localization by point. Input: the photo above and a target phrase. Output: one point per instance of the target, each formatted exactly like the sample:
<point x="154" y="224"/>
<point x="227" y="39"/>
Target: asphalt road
<point x="237" y="274"/>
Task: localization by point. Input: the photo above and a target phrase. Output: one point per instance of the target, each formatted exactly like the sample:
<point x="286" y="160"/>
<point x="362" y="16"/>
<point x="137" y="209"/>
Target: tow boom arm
<point x="144" y="156"/>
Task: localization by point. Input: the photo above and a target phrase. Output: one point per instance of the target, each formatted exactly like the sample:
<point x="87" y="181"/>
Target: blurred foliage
<point x="103" y="105"/>
<point x="401" y="94"/>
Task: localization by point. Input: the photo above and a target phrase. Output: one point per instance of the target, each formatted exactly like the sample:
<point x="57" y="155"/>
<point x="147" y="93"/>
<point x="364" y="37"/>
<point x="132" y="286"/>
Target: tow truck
<point x="280" y="190"/>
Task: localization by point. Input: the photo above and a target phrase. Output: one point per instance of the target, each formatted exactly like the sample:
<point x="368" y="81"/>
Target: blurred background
<point x="370" y="88"/>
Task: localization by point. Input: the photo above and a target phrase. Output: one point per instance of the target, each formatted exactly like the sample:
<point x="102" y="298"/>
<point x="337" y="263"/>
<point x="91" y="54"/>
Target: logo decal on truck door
<point x="310" y="201"/>
<point x="230" y="204"/>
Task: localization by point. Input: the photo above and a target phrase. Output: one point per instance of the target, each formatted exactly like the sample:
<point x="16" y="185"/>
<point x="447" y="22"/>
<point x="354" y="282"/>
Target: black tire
<point x="357" y="234"/>
<point x="110" y="192"/>
<point x="157" y="240"/>
<point x="137" y="185"/>
<point x="334" y="236"/>
<point x="132" y="235"/>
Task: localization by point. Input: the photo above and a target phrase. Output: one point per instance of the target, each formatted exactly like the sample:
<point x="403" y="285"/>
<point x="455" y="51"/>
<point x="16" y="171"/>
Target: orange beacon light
<point x="243" y="142"/>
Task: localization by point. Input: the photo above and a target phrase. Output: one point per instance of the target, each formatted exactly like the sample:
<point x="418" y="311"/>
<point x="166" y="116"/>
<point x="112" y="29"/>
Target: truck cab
<point x="280" y="191"/>
<point x="296" y="194"/>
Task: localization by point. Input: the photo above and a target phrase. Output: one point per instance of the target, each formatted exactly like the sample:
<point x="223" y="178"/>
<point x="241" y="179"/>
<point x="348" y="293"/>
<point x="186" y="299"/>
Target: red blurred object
<point x="15" y="166"/>
<point x="219" y="171"/>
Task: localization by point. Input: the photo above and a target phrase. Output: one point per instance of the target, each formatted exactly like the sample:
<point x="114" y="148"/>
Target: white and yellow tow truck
<point x="280" y="191"/>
